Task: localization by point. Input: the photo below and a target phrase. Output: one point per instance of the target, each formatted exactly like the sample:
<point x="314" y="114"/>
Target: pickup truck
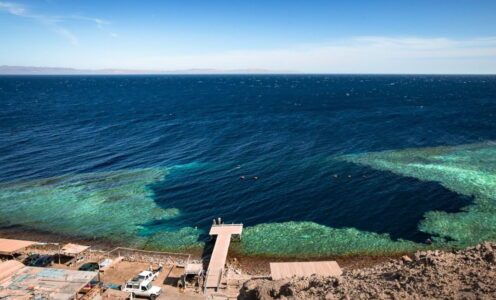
<point x="148" y="275"/>
<point x="142" y="288"/>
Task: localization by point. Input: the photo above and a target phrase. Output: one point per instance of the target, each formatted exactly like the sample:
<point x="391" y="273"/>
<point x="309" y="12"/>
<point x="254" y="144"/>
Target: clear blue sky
<point x="374" y="36"/>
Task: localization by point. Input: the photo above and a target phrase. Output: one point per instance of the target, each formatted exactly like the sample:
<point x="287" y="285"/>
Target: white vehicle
<point x="104" y="263"/>
<point x="142" y="288"/>
<point x="146" y="275"/>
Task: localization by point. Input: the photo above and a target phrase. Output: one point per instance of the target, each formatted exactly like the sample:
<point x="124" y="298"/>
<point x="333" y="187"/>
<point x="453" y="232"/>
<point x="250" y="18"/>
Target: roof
<point x="193" y="269"/>
<point x="139" y="281"/>
<point x="301" y="269"/>
<point x="144" y="273"/>
<point x="9" y="267"/>
<point x="73" y="249"/>
<point x="135" y="280"/>
<point x="9" y="247"/>
<point x="33" y="282"/>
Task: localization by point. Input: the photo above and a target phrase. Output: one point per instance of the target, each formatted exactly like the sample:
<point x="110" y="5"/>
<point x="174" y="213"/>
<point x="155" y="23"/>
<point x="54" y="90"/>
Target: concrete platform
<point x="300" y="269"/>
<point x="226" y="229"/>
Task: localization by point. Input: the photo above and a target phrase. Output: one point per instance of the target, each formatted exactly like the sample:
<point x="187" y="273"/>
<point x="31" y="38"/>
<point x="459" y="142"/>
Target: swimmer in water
<point x="242" y="177"/>
<point x="255" y="178"/>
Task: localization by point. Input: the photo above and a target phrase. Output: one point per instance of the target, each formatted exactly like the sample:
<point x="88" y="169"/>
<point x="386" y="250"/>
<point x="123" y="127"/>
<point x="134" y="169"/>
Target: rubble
<point x="461" y="274"/>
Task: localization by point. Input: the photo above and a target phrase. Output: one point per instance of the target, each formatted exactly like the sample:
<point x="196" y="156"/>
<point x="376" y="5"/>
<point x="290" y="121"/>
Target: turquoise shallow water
<point x="466" y="169"/>
<point x="111" y="205"/>
<point x="116" y="205"/>
<point x="345" y="164"/>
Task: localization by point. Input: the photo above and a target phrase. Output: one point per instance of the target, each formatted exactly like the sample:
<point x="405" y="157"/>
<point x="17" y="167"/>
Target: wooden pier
<point x="219" y="255"/>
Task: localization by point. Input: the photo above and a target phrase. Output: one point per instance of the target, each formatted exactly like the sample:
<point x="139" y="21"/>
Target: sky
<point x="345" y="36"/>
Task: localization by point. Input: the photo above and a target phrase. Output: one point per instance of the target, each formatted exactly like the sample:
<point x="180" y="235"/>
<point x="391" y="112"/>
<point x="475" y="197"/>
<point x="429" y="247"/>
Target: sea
<point x="311" y="165"/>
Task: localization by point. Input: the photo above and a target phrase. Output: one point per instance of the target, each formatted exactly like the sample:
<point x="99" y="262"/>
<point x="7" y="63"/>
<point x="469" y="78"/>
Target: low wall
<point x="164" y="258"/>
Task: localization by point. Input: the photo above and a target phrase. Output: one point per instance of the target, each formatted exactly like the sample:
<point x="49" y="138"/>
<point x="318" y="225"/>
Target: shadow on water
<point x="207" y="248"/>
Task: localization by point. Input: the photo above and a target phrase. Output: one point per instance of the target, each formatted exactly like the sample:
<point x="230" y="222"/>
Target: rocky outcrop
<point x="462" y="274"/>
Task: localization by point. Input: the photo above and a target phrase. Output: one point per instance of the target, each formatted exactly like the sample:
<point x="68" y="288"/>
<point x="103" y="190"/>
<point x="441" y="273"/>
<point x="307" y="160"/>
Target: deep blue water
<point x="284" y="129"/>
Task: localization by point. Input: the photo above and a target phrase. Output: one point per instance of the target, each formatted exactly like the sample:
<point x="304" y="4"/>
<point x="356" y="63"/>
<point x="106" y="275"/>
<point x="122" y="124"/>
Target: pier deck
<point x="219" y="254"/>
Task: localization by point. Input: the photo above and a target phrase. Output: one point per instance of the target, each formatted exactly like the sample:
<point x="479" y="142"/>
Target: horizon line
<point x="6" y="70"/>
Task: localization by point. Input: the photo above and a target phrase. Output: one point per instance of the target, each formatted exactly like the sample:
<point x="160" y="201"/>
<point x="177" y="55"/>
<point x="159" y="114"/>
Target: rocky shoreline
<point x="252" y="265"/>
<point x="457" y="274"/>
<point x="259" y="265"/>
<point x="460" y="274"/>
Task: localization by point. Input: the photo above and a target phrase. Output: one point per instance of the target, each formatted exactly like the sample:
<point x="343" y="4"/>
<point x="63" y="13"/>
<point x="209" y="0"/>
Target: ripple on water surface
<point x="118" y="205"/>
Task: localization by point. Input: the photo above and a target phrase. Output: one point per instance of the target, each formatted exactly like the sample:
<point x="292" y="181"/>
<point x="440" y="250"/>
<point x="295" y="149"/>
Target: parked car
<point x="143" y="288"/>
<point x="91" y="285"/>
<point x="149" y="275"/>
<point x="106" y="262"/>
<point x="146" y="275"/>
<point x="30" y="260"/>
<point x="89" y="267"/>
<point x="43" y="261"/>
<point x="114" y="286"/>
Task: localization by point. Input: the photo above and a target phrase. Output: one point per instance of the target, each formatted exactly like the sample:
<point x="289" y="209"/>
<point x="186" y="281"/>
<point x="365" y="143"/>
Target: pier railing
<point x="223" y="224"/>
<point x="217" y="276"/>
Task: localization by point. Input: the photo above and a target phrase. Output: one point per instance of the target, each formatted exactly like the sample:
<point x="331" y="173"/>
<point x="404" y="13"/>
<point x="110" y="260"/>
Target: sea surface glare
<point x="344" y="164"/>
